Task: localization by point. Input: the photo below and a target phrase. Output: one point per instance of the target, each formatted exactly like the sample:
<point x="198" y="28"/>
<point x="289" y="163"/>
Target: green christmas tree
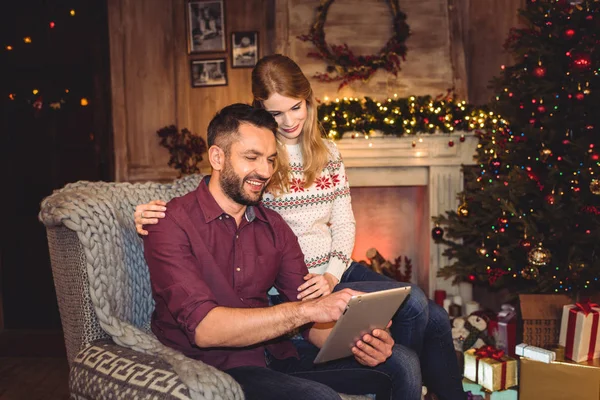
<point x="529" y="218"/>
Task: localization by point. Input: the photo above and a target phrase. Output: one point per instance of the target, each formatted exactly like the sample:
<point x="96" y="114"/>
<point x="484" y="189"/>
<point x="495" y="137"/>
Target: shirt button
<point x="238" y="269"/>
<point x="227" y="216"/>
<point x="237" y="236"/>
<point x="221" y="218"/>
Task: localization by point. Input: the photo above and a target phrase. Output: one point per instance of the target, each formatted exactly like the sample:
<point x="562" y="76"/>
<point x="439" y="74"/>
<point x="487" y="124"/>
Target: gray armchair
<point x="105" y="301"/>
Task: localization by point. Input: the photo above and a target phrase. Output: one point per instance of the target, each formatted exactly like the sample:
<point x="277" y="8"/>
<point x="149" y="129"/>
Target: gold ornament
<point x="595" y="186"/>
<point x="545" y="154"/>
<point x="482" y="251"/>
<point x="530" y="273"/>
<point x="463" y="210"/>
<point x="539" y="256"/>
<point x="578" y="265"/>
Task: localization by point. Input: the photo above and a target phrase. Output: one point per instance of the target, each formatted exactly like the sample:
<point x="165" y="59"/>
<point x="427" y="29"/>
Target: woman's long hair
<point x="279" y="74"/>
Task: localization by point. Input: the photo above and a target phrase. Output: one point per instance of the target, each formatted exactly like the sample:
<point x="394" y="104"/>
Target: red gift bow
<point x="493" y="353"/>
<point x="586" y="308"/>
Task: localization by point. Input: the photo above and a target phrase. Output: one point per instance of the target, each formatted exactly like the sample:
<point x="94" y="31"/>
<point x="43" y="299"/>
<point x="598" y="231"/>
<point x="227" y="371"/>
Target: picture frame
<point x="244" y="49"/>
<point x="207" y="73"/>
<point x="205" y="21"/>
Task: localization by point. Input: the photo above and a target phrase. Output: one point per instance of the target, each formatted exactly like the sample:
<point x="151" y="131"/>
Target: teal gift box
<point x="478" y="390"/>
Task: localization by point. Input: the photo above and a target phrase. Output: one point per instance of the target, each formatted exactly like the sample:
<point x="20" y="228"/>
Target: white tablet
<point x="363" y="314"/>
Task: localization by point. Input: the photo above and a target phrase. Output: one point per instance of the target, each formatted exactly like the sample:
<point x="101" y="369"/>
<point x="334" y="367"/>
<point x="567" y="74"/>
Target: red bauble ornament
<point x="550" y="199"/>
<point x="437" y="233"/>
<point x="525" y="243"/>
<point x="579" y="96"/>
<point x="495" y="164"/>
<point x="541" y="109"/>
<point x="582" y="61"/>
<point x="570" y="33"/>
<point x="472" y="278"/>
<point x="462" y="138"/>
<point x="451" y="143"/>
<point x="540" y="72"/>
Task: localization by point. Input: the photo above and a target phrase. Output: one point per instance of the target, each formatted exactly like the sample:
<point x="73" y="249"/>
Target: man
<point x="215" y="256"/>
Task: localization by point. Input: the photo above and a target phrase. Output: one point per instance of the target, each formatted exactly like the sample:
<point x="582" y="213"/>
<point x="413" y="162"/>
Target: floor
<point x="29" y="378"/>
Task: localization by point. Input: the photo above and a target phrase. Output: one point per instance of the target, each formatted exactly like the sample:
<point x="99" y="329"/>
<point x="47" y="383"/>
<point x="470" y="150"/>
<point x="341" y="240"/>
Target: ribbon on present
<point x="495" y="354"/>
<point x="586" y="307"/>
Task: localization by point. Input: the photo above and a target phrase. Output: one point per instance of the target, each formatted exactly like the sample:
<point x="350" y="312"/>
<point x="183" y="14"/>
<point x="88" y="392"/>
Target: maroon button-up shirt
<point x="199" y="259"/>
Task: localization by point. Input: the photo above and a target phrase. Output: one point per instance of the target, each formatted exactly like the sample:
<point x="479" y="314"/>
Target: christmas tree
<point x="528" y="218"/>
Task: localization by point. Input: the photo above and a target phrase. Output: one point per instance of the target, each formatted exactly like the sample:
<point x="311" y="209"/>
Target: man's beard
<point x="233" y="186"/>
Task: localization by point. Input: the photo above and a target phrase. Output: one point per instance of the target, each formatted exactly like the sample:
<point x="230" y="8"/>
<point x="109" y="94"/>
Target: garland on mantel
<point x="348" y="66"/>
<point x="403" y="116"/>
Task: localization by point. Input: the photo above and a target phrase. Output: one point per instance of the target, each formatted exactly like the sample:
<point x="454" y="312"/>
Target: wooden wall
<point x="454" y="43"/>
<point x="484" y="27"/>
<point x="150" y="73"/>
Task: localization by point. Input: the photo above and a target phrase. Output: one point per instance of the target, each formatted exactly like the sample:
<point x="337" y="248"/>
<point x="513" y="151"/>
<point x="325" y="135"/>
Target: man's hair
<point x="224" y="127"/>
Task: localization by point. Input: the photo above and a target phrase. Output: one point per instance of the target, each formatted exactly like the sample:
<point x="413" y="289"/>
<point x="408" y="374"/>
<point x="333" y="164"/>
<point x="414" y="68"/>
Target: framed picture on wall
<point x="208" y="72"/>
<point x="205" y="26"/>
<point x="244" y="49"/>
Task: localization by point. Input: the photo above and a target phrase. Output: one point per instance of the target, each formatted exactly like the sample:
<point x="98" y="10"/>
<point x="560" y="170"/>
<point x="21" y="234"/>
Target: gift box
<point x="478" y="390"/>
<point x="490" y="368"/>
<point x="506" y="335"/>
<point x="579" y="333"/>
<point x="535" y="353"/>
<point x="560" y="379"/>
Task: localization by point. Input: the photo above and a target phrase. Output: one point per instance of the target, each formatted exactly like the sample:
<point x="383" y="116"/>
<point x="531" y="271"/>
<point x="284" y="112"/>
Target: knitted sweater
<point x="321" y="214"/>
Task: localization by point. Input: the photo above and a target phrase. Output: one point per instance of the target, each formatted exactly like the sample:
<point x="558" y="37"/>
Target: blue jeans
<point x="399" y="378"/>
<point x="420" y="325"/>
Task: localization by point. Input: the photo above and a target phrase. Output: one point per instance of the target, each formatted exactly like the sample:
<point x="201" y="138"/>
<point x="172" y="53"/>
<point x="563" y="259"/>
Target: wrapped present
<point x="535" y="353"/>
<point x="478" y="392"/>
<point x="506" y="337"/>
<point x="560" y="379"/>
<point x="579" y="333"/>
<point x="490" y="368"/>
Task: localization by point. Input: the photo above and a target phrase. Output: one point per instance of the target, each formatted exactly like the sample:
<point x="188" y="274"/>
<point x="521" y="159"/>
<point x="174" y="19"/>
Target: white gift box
<point x="535" y="353"/>
<point x="579" y="332"/>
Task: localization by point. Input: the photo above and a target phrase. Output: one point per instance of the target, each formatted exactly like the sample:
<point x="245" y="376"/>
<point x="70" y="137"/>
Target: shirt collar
<point x="211" y="209"/>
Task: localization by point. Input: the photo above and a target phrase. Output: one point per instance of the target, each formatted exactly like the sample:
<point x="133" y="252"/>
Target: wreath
<point x="347" y="66"/>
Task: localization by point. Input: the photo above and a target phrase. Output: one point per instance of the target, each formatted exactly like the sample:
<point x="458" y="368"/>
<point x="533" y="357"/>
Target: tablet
<point x="363" y="314"/>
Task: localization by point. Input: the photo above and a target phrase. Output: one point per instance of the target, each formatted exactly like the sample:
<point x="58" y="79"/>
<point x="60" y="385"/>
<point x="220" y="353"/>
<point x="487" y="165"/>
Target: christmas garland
<point x="403" y="116"/>
<point x="341" y="59"/>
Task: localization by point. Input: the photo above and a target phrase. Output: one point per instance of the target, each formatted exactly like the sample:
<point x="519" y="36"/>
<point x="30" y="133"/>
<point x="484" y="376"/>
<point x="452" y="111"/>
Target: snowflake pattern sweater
<point x="321" y="214"/>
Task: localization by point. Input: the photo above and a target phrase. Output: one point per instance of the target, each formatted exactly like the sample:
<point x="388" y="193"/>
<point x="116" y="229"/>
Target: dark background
<point x="43" y="149"/>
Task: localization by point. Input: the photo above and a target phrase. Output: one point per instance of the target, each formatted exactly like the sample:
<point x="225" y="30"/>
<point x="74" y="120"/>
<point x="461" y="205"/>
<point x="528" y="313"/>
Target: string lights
<point x="34" y="96"/>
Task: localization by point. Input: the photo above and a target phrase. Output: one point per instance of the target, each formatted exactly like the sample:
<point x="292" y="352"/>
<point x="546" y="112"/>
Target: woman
<point x="310" y="190"/>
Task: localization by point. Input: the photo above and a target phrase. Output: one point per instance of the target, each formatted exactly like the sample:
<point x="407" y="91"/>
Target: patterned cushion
<point x="105" y="370"/>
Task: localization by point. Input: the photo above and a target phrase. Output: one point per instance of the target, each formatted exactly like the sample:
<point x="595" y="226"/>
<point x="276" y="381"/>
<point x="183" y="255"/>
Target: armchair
<point x="105" y="300"/>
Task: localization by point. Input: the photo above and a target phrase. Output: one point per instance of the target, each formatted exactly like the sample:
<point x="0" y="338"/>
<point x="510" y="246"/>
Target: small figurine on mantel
<point x="392" y="270"/>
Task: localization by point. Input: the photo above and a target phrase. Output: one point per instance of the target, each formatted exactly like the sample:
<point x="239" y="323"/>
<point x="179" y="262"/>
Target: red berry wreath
<point x="349" y="67"/>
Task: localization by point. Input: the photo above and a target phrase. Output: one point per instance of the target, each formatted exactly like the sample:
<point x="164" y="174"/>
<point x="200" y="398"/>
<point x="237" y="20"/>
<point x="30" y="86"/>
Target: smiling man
<point x="217" y="253"/>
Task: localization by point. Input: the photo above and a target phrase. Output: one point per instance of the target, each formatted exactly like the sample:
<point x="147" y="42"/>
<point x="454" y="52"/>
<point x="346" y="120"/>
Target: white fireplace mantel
<point x="424" y="160"/>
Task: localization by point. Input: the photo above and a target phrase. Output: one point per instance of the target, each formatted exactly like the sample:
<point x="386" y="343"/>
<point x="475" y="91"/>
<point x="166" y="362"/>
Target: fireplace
<point x="421" y="175"/>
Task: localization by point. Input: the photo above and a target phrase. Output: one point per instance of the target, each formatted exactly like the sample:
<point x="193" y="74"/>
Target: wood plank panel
<point x="149" y="77"/>
<point x="487" y="25"/>
<point x="151" y="86"/>
<point x="365" y="25"/>
<point x="197" y="106"/>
